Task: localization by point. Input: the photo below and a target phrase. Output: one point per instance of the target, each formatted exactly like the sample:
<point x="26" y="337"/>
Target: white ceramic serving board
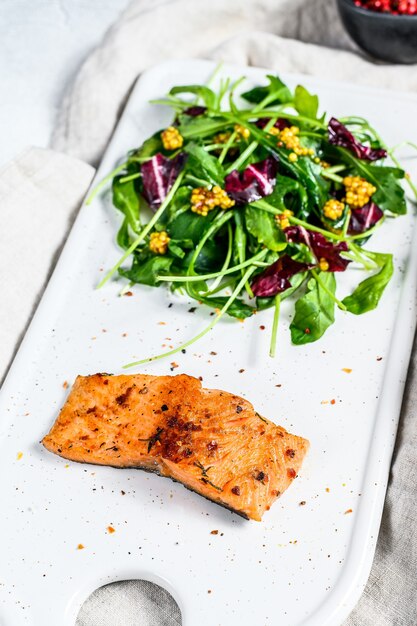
<point x="304" y="564"/>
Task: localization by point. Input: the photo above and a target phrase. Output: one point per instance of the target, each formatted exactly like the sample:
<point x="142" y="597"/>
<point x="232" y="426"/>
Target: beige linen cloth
<point x="41" y="191"/>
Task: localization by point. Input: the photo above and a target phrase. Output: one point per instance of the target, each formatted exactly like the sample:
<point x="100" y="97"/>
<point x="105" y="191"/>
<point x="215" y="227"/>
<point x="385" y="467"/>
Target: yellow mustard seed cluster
<point x="290" y="139"/>
<point x="282" y="219"/>
<point x="242" y="132"/>
<point x="204" y="200"/>
<point x="171" y="138"/>
<point x="333" y="209"/>
<point x="158" y="243"/>
<point x="358" y="191"/>
<point x="222" y="137"/>
<point x="274" y="131"/>
<point x="323" y="265"/>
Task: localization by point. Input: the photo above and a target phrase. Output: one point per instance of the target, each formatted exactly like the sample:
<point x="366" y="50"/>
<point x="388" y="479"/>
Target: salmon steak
<point x="211" y="441"/>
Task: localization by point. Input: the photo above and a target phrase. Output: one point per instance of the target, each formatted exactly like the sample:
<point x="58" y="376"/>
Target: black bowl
<point x="387" y="37"/>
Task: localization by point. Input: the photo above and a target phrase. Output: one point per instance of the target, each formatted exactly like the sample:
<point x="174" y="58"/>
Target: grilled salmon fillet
<point x="211" y="441"/>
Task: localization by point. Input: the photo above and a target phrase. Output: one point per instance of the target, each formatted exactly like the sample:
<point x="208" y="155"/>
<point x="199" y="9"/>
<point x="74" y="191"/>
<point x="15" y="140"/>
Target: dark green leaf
<point x="123" y="239"/>
<point x="149" y="148"/>
<point x="189" y="225"/>
<point x="262" y="225"/>
<point x="305" y="103"/>
<point x="126" y="200"/>
<point x="145" y="271"/>
<point x="202" y="164"/>
<point x="276" y="87"/>
<point x="314" y="312"/>
<point x="368" y="293"/>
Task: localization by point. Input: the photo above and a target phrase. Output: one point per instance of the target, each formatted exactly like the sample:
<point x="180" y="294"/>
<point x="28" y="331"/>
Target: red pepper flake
<point x="347" y="370"/>
<point x="262" y="327"/>
<point x="174" y="365"/>
<point x="307" y="331"/>
<point x="214" y="532"/>
<point x="236" y="491"/>
<point x="129" y="293"/>
<point x="290" y="453"/>
<point x="162" y="323"/>
<point x="80" y="546"/>
<point x="332" y="401"/>
<point x="291" y="473"/>
<point x="65" y="384"/>
<point x="111" y="530"/>
<point x="348" y="511"/>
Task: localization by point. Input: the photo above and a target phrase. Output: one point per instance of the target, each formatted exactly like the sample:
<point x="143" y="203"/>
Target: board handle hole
<point x="130" y="603"/>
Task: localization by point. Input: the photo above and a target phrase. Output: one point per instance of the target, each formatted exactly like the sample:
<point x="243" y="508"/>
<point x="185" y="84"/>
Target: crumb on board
<point x="347" y="370"/>
<point x="19" y="455"/>
<point x="327" y="489"/>
<point x="65" y="384"/>
<point x="241" y="371"/>
<point x="129" y="293"/>
<point x="261" y="327"/>
<point x="379" y="358"/>
<point x="162" y="323"/>
<point x="302" y="503"/>
<point x="80" y="546"/>
<point x="111" y="530"/>
<point x="174" y="365"/>
<point x="214" y="532"/>
<point x="348" y="511"/>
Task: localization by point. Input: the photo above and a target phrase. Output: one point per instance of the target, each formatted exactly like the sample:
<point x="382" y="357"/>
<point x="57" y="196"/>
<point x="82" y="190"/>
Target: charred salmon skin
<point x="211" y="441"/>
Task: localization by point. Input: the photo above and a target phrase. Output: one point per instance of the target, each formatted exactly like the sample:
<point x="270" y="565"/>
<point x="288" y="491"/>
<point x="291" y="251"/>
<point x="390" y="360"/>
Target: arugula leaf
<point x="204" y="165"/>
<point x="276" y="88"/>
<point x="262" y="225"/>
<point x="368" y="293"/>
<point x="126" y="200"/>
<point x="146" y="271"/>
<point x="287" y="192"/>
<point x="314" y="312"/>
<point x="201" y="91"/>
<point x="305" y="103"/>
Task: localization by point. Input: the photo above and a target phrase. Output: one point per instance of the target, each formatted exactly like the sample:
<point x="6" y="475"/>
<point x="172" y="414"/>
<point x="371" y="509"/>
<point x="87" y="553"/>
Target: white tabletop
<point x="42" y="46"/>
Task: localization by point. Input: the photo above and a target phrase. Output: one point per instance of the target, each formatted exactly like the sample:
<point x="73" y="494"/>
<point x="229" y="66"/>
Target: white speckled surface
<point x="302" y="565"/>
<point x="42" y="45"/>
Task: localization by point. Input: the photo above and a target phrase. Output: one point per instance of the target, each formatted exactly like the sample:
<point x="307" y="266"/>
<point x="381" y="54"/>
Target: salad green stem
<point x="273" y="345"/>
<point x="231" y="270"/>
<point x="227" y="147"/>
<point x="226" y="261"/>
<point x="144" y="232"/>
<point x="215" y="226"/>
<point x="242" y="157"/>
<point x="208" y="328"/>
<point x="126" y="179"/>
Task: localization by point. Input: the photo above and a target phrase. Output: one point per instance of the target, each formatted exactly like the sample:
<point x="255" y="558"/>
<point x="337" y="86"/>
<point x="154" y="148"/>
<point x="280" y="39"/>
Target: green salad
<point x="252" y="196"/>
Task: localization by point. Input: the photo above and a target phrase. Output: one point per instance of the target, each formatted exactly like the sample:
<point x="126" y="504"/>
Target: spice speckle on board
<point x="19" y="455"/>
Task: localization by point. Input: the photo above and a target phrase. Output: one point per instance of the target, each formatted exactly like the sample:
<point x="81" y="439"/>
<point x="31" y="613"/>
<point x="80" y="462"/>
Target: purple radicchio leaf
<point x="275" y="278"/>
<point x="320" y="246"/>
<point x="339" y="135"/>
<point x="158" y="176"/>
<point x="195" y="111"/>
<point x="255" y="182"/>
<point x="364" y="218"/>
<point x="280" y="123"/>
